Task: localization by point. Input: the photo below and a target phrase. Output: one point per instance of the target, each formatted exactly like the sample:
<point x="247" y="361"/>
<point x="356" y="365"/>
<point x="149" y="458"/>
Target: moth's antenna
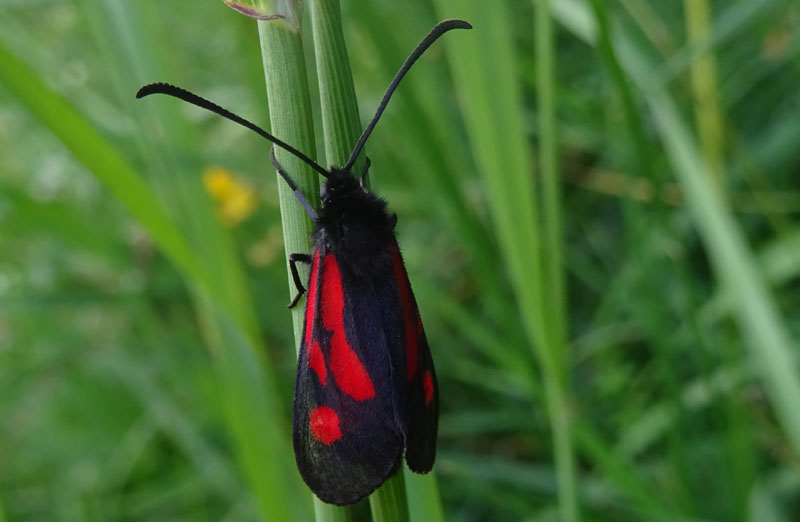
<point x="436" y="32"/>
<point x="296" y="191"/>
<point x="183" y="94"/>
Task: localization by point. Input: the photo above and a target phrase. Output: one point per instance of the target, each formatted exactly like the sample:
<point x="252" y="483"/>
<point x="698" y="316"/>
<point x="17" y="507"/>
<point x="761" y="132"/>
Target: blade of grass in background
<point x="255" y="416"/>
<point x="91" y="149"/>
<point x="755" y="310"/>
<point x="485" y="69"/>
<point x="736" y="18"/>
<point x="704" y="87"/>
<point x="261" y="460"/>
<point x="756" y="313"/>
<point x="433" y="161"/>
<point x="553" y="300"/>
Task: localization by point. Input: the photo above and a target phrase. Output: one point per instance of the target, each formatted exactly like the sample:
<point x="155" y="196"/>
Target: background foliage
<point x="147" y="359"/>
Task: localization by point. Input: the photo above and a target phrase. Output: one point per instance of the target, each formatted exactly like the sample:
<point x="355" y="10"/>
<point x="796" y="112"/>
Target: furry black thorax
<point x="353" y="223"/>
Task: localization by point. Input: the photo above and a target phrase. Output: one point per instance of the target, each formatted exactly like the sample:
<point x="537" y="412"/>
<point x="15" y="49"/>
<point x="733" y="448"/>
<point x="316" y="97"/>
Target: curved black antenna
<point x="436" y="32"/>
<point x="183" y="94"/>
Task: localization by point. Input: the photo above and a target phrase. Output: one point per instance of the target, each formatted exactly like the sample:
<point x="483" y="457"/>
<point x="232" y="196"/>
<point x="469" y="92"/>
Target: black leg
<point x="293" y="260"/>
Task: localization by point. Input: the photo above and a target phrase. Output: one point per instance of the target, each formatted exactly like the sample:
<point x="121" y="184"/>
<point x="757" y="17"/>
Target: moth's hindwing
<point x="421" y="415"/>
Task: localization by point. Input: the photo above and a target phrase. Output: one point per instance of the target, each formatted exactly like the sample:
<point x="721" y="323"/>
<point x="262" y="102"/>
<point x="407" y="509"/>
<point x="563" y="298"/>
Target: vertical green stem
<point x="291" y="120"/>
<point x="556" y="383"/>
<point x="290" y="114"/>
<point x="341" y="125"/>
<point x="424" y="503"/>
<point x="704" y="89"/>
<point x="551" y="184"/>
<point x="388" y="503"/>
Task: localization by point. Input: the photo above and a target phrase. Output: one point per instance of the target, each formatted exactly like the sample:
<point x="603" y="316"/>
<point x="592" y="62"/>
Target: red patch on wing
<point x="317" y="362"/>
<point x="315" y="359"/>
<point x="349" y="372"/>
<point x="427" y="384"/>
<point x="311" y="303"/>
<point x="324" y="425"/>
<point x="408" y="315"/>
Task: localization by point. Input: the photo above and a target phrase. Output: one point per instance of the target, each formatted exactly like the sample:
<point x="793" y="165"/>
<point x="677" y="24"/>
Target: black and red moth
<point x="365" y="388"/>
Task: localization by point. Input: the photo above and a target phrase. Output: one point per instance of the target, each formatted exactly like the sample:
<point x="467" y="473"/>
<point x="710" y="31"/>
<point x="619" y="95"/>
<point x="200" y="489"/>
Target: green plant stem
<point x="556" y="384"/>
<point x="551" y="183"/>
<point x="388" y="503"/>
<point x="291" y="120"/>
<point x="704" y="89"/>
<point x="341" y="125"/>
<point x="424" y="503"/>
<point x="290" y="110"/>
<point x="633" y="121"/>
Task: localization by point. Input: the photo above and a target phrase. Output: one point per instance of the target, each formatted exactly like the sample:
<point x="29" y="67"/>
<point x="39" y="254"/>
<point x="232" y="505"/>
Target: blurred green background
<point x="146" y="355"/>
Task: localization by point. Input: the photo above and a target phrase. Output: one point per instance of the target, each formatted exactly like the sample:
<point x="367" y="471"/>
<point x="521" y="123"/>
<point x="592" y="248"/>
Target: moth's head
<point x="340" y="186"/>
<point x="354" y="220"/>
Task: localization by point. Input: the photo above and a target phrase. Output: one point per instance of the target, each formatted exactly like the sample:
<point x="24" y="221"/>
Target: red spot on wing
<point x="324" y="425"/>
<point x="348" y="371"/>
<point x="408" y="313"/>
<point x="427" y="385"/>
<point x="317" y="362"/>
<point x="315" y="359"/>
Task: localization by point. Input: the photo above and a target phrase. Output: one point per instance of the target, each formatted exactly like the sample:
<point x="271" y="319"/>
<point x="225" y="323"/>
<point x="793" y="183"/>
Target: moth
<point x="365" y="390"/>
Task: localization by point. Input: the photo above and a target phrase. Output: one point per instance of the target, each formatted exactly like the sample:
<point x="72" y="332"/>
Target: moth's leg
<point x="293" y="260"/>
<point x="363" y="177"/>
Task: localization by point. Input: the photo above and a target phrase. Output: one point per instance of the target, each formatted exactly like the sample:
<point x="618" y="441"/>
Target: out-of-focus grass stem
<point x="556" y="382"/>
<point x="704" y="89"/>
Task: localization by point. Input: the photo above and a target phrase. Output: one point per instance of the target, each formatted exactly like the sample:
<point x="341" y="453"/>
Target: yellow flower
<point x="234" y="200"/>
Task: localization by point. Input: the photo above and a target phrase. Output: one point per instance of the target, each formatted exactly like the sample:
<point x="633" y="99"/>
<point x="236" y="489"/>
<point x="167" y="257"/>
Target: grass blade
<point x="755" y="310"/>
<point x="485" y="68"/>
<point x="388" y="503"/>
<point x="704" y="88"/>
<point x="290" y="115"/>
<point x="93" y="151"/>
